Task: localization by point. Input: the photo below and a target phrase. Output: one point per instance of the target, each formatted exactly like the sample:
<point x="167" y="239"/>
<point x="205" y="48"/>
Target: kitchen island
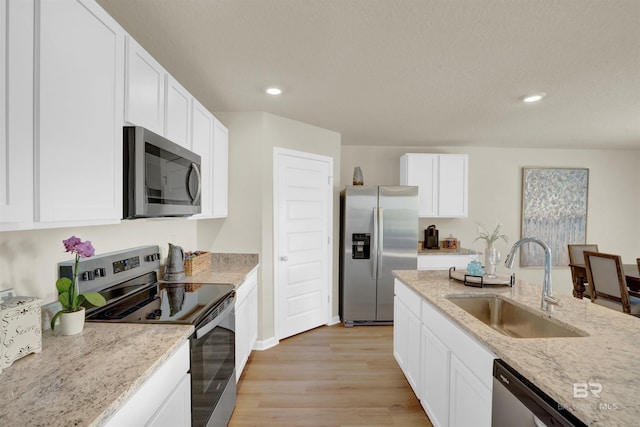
<point x="82" y="380"/>
<point x="608" y="355"/>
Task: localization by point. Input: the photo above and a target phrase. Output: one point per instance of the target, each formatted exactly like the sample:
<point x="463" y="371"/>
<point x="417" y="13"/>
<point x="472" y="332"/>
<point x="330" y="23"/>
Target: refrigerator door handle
<point x="380" y="240"/>
<point x="374" y="250"/>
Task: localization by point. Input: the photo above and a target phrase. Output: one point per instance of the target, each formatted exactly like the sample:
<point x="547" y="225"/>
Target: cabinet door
<point x="79" y="112"/>
<point x="145" y="87"/>
<point x="242" y="336"/>
<point x="246" y="320"/>
<point x="177" y="113"/>
<point x="220" y="170"/>
<point x="252" y="309"/>
<point x="16" y="113"/>
<point x="150" y="397"/>
<point x="176" y="410"/>
<point x="470" y="399"/>
<point x="434" y="380"/>
<point x="453" y="182"/>
<point x="406" y="343"/>
<point x="422" y="170"/>
<point x="203" y="124"/>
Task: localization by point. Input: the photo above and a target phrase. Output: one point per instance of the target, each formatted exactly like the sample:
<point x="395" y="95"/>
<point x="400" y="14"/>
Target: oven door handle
<point x="206" y="328"/>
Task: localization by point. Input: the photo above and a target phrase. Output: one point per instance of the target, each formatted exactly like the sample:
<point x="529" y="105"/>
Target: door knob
<point x="284" y="258"/>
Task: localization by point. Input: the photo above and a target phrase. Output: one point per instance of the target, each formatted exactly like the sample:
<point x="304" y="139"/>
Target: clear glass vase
<point x="491" y="259"/>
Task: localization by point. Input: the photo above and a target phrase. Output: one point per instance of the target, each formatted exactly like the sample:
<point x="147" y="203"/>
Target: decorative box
<point x="196" y="262"/>
<point x="20" y="329"/>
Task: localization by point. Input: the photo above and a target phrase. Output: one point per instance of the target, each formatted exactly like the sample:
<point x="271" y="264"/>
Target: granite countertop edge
<point x="608" y="354"/>
<point x="38" y="388"/>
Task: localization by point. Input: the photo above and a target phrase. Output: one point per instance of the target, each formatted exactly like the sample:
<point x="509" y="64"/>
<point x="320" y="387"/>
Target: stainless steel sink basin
<point x="510" y="319"/>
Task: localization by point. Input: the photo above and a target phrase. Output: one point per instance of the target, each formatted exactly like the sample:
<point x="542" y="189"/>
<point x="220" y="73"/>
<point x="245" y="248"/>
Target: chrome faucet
<point x="547" y="297"/>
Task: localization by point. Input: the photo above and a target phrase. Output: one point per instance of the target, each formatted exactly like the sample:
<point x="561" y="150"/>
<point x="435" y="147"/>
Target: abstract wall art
<point x="554" y="210"/>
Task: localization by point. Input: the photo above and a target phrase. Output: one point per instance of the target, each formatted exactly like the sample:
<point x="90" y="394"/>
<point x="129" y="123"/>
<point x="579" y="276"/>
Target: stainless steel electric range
<point x="129" y="282"/>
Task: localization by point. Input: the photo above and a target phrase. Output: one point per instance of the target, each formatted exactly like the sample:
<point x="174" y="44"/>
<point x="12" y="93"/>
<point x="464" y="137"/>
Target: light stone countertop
<point x="610" y="355"/>
<point x="227" y="268"/>
<point x="82" y="380"/>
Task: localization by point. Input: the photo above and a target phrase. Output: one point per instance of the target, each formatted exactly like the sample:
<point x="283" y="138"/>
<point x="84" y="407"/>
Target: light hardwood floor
<point x="330" y="376"/>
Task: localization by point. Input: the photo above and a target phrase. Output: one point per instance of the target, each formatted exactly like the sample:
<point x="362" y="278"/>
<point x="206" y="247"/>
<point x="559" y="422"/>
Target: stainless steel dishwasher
<point x="518" y="403"/>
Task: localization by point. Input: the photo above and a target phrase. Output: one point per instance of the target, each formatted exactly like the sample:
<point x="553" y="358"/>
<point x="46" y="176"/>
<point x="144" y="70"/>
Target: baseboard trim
<point x="266" y="344"/>
<point x="334" y="321"/>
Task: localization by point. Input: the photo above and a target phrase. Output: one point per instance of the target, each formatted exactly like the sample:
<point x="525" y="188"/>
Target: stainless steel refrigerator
<point x="378" y="234"/>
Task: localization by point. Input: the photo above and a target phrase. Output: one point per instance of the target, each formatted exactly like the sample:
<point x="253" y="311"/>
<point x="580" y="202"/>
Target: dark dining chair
<point x="576" y="257"/>
<point x="608" y="283"/>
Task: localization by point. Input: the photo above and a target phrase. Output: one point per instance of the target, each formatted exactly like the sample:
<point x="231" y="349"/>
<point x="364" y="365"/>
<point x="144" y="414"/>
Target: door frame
<point x="277" y="152"/>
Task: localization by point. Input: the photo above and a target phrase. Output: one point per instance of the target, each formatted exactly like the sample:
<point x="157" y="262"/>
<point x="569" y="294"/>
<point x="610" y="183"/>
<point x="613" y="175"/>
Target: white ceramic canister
<point x="20" y="329"/>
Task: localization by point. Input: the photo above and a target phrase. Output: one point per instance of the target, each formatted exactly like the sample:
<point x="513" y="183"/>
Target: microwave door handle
<point x="194" y="168"/>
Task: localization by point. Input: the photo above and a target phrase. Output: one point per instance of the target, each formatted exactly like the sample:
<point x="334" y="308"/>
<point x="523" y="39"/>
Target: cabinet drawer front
<point x="443" y="262"/>
<point x="408" y="297"/>
<point x="470" y="352"/>
<point x="145" y="401"/>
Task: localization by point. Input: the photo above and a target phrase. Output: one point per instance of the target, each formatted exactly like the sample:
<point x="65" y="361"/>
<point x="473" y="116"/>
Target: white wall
<point x="495" y="194"/>
<point x="28" y="259"/>
<point x="249" y="227"/>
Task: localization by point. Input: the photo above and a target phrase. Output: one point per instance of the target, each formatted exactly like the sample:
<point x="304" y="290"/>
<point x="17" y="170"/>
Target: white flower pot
<point x="72" y="323"/>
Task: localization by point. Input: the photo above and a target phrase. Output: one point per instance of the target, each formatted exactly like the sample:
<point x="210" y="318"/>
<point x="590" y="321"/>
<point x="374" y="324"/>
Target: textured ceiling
<point x="410" y="72"/>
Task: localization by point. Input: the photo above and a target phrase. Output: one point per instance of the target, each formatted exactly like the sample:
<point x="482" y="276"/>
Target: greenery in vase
<point x="490" y="238"/>
<point x="68" y="294"/>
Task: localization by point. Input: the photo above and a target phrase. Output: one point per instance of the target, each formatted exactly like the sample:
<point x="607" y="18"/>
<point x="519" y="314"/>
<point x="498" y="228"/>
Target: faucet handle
<point x="552" y="300"/>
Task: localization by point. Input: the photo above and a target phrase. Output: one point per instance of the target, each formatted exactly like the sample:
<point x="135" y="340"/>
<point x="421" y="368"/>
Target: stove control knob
<point x="87" y="275"/>
<point x="100" y="272"/>
<point x="152" y="257"/>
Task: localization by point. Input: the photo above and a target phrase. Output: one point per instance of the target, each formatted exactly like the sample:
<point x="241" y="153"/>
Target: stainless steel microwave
<point x="161" y="178"/>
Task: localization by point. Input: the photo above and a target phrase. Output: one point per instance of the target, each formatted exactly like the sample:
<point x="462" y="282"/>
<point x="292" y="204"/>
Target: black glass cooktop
<point x="138" y="301"/>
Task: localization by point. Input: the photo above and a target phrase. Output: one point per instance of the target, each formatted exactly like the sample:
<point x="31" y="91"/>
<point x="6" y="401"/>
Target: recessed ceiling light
<point x="534" y="97"/>
<point x="274" y="91"/>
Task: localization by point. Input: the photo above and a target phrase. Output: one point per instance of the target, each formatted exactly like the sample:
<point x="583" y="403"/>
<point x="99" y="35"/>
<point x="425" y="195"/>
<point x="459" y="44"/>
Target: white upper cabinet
<point x="220" y="170"/>
<point x="70" y="78"/>
<point x="203" y="124"/>
<point x="16" y="114"/>
<point x="144" y="89"/>
<point x="442" y="180"/>
<point x="177" y="113"/>
<point x="79" y="113"/>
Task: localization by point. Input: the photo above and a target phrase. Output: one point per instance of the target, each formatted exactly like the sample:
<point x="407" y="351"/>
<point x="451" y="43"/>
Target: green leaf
<point x="95" y="298"/>
<point x="55" y="317"/>
<point x="63" y="284"/>
<point x="64" y="300"/>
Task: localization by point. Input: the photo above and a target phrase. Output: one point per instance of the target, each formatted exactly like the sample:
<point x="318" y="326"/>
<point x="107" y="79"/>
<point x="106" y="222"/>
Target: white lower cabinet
<point x="435" y="377"/>
<point x="246" y="320"/>
<point x="406" y="335"/>
<point x="470" y="398"/>
<point x="164" y="399"/>
<point x="454" y="373"/>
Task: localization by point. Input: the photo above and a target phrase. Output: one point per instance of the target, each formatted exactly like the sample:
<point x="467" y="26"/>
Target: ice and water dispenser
<point x="361" y="248"/>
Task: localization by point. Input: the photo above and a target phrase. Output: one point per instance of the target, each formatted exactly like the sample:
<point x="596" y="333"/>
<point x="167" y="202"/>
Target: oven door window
<point x="212" y="367"/>
<point x="170" y="179"/>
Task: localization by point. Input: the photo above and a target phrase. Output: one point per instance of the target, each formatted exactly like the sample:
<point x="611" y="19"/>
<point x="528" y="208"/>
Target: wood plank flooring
<point x="329" y="376"/>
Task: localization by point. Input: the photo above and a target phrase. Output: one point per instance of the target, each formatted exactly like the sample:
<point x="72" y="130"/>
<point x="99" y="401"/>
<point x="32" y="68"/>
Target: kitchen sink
<point x="512" y="320"/>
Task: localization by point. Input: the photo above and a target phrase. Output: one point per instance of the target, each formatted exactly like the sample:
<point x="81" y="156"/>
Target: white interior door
<point x="303" y="209"/>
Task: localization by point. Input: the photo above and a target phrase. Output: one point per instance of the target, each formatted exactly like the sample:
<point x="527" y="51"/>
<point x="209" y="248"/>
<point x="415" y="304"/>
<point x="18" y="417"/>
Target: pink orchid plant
<point x="68" y="294"/>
